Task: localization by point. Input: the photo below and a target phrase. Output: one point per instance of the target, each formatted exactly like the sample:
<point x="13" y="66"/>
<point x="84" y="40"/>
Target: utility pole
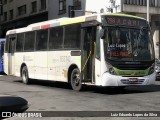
<point x="148" y="10"/>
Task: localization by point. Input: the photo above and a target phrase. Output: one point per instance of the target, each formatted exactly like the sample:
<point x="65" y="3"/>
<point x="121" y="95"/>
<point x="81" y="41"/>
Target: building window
<point x="5" y="16"/>
<point x="62" y="6"/>
<point x="11" y="14"/>
<point x="134" y="2"/>
<point x="158" y="3"/>
<point x="152" y="3"/>
<point x="141" y="2"/>
<point x="43" y="5"/>
<point x="4" y="2"/>
<point x="77" y="4"/>
<point x="34" y="7"/>
<point x="22" y="10"/>
<point x="138" y="2"/>
<point x="130" y="2"/>
<point x="144" y="2"/>
<point x="125" y="1"/>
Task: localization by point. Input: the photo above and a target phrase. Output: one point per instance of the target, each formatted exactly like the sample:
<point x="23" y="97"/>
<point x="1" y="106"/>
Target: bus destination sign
<point x="125" y="21"/>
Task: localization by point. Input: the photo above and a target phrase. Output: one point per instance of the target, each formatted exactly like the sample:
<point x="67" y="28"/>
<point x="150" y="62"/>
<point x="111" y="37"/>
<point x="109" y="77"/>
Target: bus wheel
<point x="25" y="77"/>
<point x="76" y="80"/>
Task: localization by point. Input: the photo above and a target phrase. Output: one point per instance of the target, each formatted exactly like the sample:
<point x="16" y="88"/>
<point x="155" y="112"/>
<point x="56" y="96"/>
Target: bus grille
<point x="132" y="66"/>
<point x="128" y="82"/>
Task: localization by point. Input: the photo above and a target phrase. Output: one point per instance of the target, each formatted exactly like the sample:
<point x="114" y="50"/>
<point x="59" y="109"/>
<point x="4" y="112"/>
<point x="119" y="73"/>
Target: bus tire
<point x="25" y="76"/>
<point x="75" y="81"/>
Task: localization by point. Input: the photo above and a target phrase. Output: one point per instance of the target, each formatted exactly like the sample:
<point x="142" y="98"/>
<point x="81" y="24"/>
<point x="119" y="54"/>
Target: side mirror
<point x="103" y="34"/>
<point x="157" y="44"/>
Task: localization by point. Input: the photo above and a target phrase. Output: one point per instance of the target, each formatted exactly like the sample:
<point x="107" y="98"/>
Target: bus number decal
<point x="65" y="59"/>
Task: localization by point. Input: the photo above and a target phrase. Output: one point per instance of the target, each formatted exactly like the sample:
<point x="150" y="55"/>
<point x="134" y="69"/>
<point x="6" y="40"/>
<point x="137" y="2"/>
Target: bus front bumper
<point x="113" y="80"/>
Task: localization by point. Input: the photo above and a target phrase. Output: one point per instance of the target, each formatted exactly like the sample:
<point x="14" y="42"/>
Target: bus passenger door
<point x="88" y="54"/>
<point x="11" y="67"/>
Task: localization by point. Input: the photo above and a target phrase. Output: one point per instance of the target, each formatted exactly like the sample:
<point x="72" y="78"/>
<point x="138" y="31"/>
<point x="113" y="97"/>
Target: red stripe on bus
<point x="45" y="26"/>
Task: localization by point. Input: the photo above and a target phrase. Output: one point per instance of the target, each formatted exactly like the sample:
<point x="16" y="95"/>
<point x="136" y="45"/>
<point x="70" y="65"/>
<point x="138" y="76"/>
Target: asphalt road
<point x="53" y="96"/>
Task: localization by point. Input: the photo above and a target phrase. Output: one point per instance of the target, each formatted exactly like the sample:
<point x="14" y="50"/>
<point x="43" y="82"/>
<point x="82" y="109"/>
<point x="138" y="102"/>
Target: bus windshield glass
<point x="128" y="44"/>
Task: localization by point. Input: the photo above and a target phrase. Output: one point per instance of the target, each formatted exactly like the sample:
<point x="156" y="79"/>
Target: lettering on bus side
<point x="27" y="58"/>
<point x="65" y="58"/>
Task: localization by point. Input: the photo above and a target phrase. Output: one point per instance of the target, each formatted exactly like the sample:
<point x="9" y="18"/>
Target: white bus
<point x="100" y="49"/>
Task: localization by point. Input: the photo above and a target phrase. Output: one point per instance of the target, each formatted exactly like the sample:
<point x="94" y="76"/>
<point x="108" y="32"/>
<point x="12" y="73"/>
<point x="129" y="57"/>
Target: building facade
<point x="20" y="13"/>
<point x="64" y="8"/>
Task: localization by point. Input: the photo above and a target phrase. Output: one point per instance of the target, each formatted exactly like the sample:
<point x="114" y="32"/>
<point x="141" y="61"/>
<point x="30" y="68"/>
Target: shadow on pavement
<point x="95" y="89"/>
<point x="12" y="104"/>
<point x="2" y="73"/>
<point x="127" y="90"/>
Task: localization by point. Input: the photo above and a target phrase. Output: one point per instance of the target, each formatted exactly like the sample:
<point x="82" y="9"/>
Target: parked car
<point x="157" y="68"/>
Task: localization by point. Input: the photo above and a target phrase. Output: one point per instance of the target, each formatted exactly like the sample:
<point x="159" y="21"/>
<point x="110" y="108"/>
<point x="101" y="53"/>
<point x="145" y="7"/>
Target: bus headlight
<point x="157" y="68"/>
<point x="111" y="69"/>
<point x="152" y="69"/>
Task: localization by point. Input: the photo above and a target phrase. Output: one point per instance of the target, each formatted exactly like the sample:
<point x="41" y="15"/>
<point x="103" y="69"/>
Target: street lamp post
<point x="148" y="10"/>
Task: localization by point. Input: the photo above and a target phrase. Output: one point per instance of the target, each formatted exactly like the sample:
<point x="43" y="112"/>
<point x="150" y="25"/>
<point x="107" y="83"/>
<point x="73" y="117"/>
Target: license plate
<point x="133" y="79"/>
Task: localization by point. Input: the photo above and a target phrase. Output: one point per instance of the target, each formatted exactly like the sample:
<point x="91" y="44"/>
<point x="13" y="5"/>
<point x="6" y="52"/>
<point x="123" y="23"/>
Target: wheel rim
<point x="76" y="81"/>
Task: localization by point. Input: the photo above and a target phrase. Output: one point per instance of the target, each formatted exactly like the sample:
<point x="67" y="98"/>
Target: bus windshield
<point x="128" y="44"/>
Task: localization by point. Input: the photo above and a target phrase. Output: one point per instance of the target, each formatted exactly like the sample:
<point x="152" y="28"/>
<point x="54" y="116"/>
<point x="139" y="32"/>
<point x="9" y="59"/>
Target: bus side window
<point x="72" y="36"/>
<point x="56" y="38"/>
<point x="29" y="41"/>
<point x="19" y="42"/>
<point x="42" y="39"/>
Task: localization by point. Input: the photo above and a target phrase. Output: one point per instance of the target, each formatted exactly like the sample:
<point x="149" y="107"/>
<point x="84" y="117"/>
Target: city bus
<point x="101" y="49"/>
<point x="2" y="42"/>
